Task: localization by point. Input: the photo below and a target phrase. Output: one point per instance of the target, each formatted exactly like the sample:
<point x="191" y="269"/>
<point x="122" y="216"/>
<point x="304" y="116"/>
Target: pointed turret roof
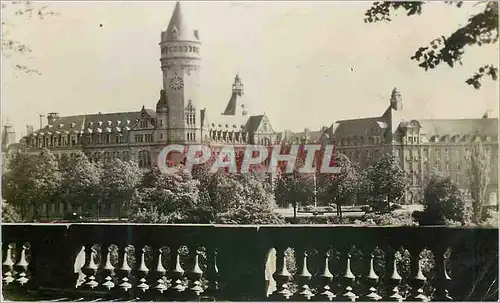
<point x="235" y="106"/>
<point x="177" y="27"/>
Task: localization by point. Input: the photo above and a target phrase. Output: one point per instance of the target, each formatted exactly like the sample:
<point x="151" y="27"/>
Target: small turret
<point x="235" y="106"/>
<point x="237" y="86"/>
<point x="396" y="100"/>
<point x="162" y="104"/>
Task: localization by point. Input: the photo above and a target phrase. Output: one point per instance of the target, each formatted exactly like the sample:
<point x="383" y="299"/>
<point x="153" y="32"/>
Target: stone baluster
<point x="442" y="280"/>
<point x="282" y="277"/>
<point x="176" y="274"/>
<point x="418" y="281"/>
<point x="303" y="278"/>
<point x="347" y="294"/>
<point x="141" y="272"/>
<point x="106" y="270"/>
<point x="123" y="272"/>
<point x="194" y="277"/>
<point x="21" y="267"/>
<point x="8" y="266"/>
<point x="212" y="275"/>
<point x="393" y="282"/>
<point x="324" y="280"/>
<point x="159" y="273"/>
<point x="89" y="269"/>
<point x="371" y="282"/>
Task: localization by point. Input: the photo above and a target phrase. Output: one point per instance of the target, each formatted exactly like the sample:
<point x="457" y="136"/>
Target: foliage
<point x="478" y="176"/>
<point x="237" y="199"/>
<point x="491" y="219"/>
<point x="444" y="202"/>
<point x="119" y="181"/>
<point x="294" y="187"/>
<point x="481" y="28"/>
<point x="341" y="188"/>
<point x="386" y="183"/>
<point x="12" y="13"/>
<point x="166" y="198"/>
<point x="80" y="182"/>
<point x="10" y="214"/>
<point x="404" y="219"/>
<point x="16" y="186"/>
<point x="31" y="181"/>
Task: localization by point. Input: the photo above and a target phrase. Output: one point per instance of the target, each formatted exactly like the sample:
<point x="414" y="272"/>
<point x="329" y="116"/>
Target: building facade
<point x="177" y="119"/>
<point x="420" y="145"/>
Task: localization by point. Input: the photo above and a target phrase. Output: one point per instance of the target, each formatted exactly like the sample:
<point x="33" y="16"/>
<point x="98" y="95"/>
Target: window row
<point x="371" y="140"/>
<point x="179" y="49"/>
<point x="141" y="138"/>
<point x="227" y="136"/>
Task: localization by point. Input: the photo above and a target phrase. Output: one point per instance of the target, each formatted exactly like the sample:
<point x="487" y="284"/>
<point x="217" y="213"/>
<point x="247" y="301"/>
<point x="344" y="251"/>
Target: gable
<point x="265" y="126"/>
<point x="145" y="120"/>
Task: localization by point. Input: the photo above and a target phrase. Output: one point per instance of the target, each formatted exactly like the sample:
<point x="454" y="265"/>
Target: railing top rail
<point x="252" y="225"/>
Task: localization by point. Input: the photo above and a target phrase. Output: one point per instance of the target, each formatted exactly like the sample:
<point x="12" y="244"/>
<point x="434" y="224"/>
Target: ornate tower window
<point x="190" y="114"/>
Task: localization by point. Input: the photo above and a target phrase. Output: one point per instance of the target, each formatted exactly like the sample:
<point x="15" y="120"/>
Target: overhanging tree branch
<point x="481" y="29"/>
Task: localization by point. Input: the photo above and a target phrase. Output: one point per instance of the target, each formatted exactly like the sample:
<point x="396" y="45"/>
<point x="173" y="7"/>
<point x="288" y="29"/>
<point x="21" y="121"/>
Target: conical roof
<point x="178" y="28"/>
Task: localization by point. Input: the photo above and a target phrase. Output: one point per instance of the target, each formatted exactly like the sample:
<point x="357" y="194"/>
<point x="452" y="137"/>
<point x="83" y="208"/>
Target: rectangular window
<point x="144" y="124"/>
<point x="149" y="138"/>
<point x="139" y="138"/>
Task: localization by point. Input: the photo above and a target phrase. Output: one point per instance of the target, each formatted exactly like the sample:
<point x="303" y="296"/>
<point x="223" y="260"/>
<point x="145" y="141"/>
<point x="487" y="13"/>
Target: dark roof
<point x="231" y="105"/>
<point x="253" y="123"/>
<point x="92" y="121"/>
<point x="356" y="127"/>
<point x="451" y="127"/>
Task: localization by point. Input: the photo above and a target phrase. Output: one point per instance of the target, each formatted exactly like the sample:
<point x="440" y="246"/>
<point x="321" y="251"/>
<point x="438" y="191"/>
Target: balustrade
<point x="212" y="262"/>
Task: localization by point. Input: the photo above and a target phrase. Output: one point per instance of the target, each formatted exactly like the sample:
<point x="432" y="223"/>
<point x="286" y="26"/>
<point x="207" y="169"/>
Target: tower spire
<point x="178" y="28"/>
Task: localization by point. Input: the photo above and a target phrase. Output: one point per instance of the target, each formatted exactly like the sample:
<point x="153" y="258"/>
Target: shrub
<point x="445" y="203"/>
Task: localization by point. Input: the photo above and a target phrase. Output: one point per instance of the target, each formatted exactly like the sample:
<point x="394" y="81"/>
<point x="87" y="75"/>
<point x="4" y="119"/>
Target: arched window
<point x="144" y="159"/>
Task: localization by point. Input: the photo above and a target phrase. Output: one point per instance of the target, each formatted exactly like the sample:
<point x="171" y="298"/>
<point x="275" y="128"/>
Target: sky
<point x="305" y="64"/>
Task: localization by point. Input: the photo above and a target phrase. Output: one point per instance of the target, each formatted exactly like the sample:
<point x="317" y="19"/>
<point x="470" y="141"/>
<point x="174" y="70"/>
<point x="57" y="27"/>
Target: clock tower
<point x="180" y="64"/>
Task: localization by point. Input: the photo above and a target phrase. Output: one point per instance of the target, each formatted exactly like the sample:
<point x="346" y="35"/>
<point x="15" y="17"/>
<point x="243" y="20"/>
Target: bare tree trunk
<point x="295" y="211"/>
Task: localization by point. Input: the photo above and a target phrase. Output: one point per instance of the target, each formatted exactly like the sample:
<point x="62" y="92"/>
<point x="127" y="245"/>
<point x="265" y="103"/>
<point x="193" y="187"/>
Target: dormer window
<point x="61" y="125"/>
<point x="175" y="32"/>
<point x="73" y="125"/>
<point x="109" y="123"/>
<point x="90" y="124"/>
<point x="100" y="123"/>
<point x="128" y="122"/>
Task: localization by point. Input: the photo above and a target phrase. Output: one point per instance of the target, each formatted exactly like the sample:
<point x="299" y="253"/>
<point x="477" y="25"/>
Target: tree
<point x="119" y="181"/>
<point x="387" y="182"/>
<point x="166" y="198"/>
<point x="444" y="202"/>
<point x="46" y="179"/>
<point x="478" y="176"/>
<point x="16" y="185"/>
<point x="294" y="188"/>
<point x="341" y="188"/>
<point x="80" y="182"/>
<point x="247" y="200"/>
<point x="481" y="28"/>
<point x="12" y="12"/>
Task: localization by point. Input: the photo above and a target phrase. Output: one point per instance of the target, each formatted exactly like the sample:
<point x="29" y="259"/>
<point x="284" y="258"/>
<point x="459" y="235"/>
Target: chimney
<point x="52" y="117"/>
<point x="29" y="129"/>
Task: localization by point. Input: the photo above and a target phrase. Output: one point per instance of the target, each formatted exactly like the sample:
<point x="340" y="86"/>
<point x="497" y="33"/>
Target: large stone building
<point x="177" y="119"/>
<point x="421" y="145"/>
